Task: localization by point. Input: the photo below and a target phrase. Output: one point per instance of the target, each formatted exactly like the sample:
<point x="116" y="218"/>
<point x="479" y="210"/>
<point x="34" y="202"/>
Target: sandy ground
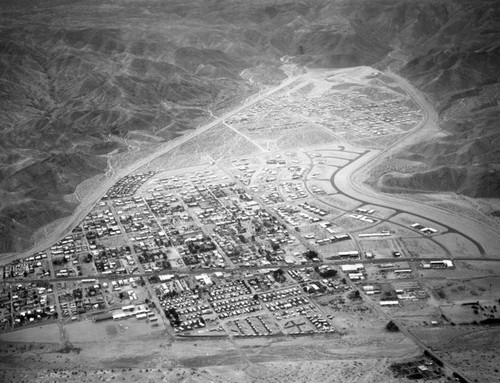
<point x="381" y="247"/>
<point x="339" y="154"/>
<point x="380" y="211"/>
<point x="458" y="245"/>
<point x="396" y="230"/>
<point x="39" y="334"/>
<point x="365" y="370"/>
<point x="473" y="348"/>
<point x="423" y="248"/>
<point x="352" y="358"/>
<point x="408" y="220"/>
<point x="340" y="201"/>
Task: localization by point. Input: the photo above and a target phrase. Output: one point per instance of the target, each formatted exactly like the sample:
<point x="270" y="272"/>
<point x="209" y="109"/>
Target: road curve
<point x="349" y="180"/>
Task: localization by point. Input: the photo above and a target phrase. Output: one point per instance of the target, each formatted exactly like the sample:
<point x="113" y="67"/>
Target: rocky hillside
<point x="458" y="65"/>
<point x="81" y="81"/>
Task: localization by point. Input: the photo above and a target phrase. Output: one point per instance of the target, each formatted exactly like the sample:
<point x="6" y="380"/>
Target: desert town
<point x="263" y="245"/>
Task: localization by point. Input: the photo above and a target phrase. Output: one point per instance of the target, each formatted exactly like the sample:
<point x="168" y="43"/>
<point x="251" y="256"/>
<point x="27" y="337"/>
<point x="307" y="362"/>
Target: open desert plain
<point x="249" y="191"/>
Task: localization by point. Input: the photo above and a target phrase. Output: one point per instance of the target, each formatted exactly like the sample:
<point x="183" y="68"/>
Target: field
<point x="476" y="349"/>
<point x="424" y="247"/>
<point x="50" y="334"/>
<point x="458" y="245"/>
<point x="340" y="201"/>
<point x="89" y="332"/>
<point x="198" y="360"/>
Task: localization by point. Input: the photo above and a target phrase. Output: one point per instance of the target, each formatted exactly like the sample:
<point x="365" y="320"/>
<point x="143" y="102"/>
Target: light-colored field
<point x="458" y="245"/>
<point x="459" y="314"/>
<point x="340" y="201"/>
<point x="298" y="138"/>
<point x="475" y="269"/>
<point x="477" y="208"/>
<point x="381" y="248"/>
<point x="374" y="370"/>
<point x="333" y="162"/>
<point x="423" y="248"/>
<point x="380" y="211"/>
<point x="463" y="290"/>
<point x="87" y="331"/>
<point x="49" y="333"/>
<point x="408" y="220"/>
<point x="352" y="223"/>
<point x="415" y="313"/>
<point x="339" y="154"/>
<point x="201" y="360"/>
<point x="332" y="249"/>
<point x="473" y="348"/>
<point x="396" y="230"/>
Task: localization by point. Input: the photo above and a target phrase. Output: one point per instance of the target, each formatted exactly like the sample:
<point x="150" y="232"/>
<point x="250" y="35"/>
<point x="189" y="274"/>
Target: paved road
<point x="347" y="181"/>
<point x="335" y="263"/>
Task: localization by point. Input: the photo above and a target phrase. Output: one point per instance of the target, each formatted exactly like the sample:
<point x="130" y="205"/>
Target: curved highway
<point x="348" y="180"/>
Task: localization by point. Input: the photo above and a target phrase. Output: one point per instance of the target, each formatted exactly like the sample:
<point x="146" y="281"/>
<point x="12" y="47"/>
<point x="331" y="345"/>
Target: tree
<point x="279" y="275"/>
<point x="392" y="327"/>
<point x="326" y="273"/>
<point x="355" y="295"/>
<point x="311" y="254"/>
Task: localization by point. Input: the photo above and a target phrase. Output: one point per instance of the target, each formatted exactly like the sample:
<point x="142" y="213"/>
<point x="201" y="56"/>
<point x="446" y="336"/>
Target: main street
<point x="250" y="269"/>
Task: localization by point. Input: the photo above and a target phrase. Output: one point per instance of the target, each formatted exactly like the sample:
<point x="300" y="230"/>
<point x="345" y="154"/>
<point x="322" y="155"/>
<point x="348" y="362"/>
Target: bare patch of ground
<point x="340" y="201"/>
<point x="396" y="230"/>
<point x="87" y="331"/>
<point x="380" y="248"/>
<point x="458" y="245"/>
<point x="39" y="334"/>
<point x="474" y="349"/>
<point x="423" y="248"/>
<point x="408" y="220"/>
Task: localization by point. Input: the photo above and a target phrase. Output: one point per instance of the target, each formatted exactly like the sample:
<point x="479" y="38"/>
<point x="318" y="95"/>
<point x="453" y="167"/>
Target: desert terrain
<point x="223" y="191"/>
